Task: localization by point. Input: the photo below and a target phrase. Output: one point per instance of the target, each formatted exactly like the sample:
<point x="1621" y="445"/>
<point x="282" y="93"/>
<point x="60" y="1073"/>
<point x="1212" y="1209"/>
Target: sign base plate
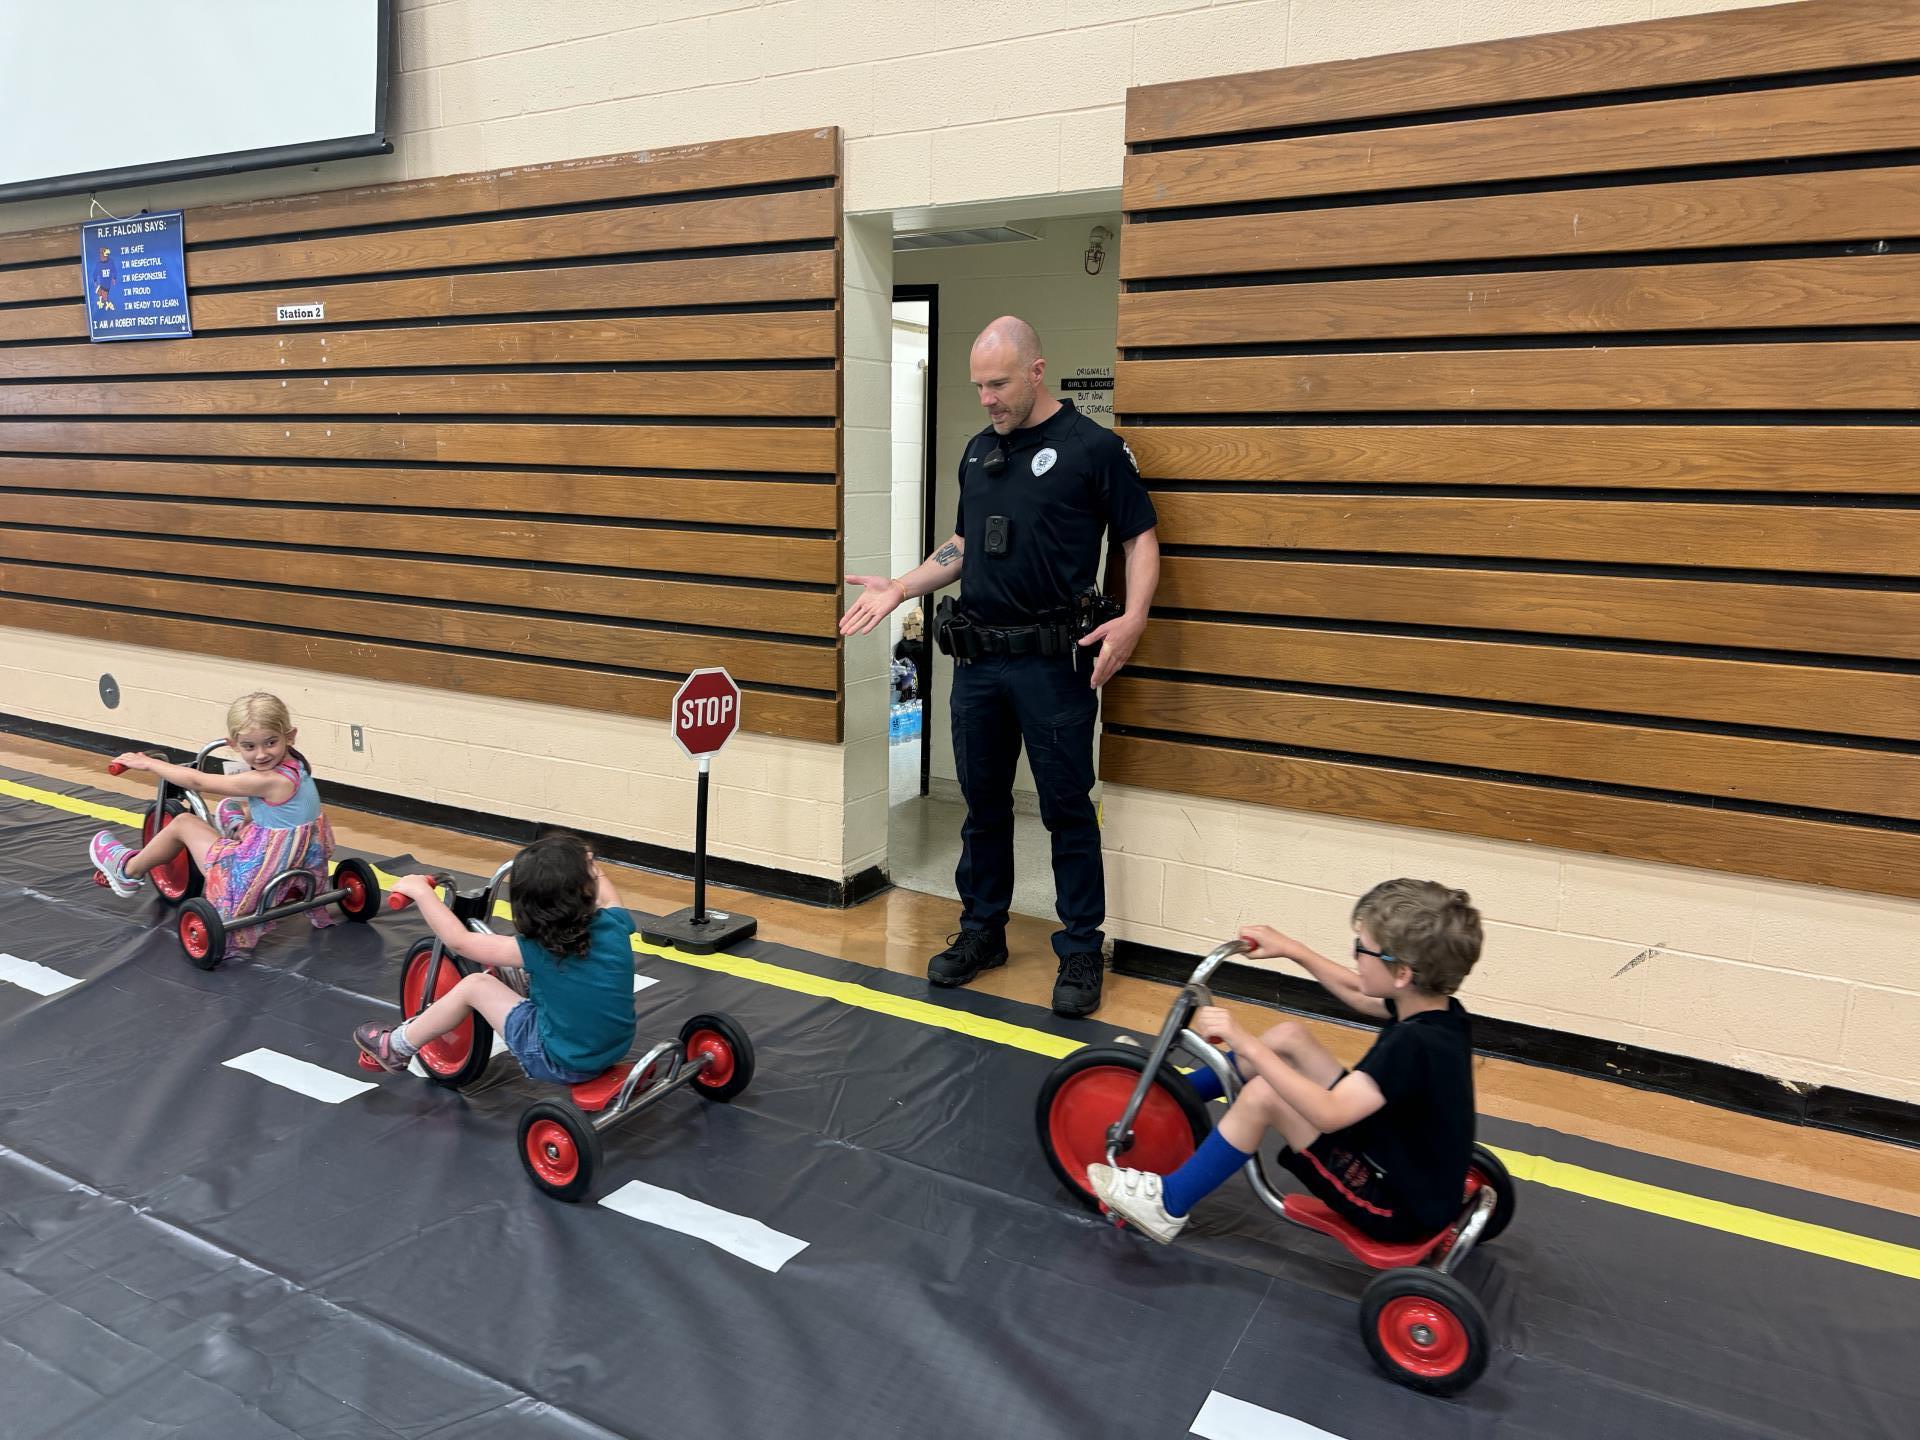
<point x="722" y="928"/>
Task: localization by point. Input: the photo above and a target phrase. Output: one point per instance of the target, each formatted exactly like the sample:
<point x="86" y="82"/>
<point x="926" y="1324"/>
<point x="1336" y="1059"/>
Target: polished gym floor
<point x="189" y="1248"/>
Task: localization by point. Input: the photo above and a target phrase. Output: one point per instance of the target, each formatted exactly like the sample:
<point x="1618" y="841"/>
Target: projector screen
<point x="102" y="93"/>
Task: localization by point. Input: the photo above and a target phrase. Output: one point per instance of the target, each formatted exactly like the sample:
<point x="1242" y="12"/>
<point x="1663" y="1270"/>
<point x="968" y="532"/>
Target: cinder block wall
<point x="968" y="102"/>
<point x="941" y="101"/>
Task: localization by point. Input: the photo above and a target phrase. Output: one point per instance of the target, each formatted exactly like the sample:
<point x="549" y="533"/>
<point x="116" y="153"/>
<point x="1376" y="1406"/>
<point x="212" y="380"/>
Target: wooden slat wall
<point x="565" y="433"/>
<point x="1533" y="426"/>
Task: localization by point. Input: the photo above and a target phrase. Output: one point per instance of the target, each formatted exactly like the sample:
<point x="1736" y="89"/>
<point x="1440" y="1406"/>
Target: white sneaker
<point x="1134" y="1195"/>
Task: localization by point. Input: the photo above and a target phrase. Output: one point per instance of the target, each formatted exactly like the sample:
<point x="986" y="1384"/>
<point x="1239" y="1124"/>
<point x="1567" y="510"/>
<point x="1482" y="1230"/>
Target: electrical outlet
<point x="359" y="740"/>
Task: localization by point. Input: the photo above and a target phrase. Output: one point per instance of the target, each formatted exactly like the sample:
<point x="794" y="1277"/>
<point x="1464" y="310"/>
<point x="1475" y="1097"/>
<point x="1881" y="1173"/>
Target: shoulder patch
<point x="1131" y="459"/>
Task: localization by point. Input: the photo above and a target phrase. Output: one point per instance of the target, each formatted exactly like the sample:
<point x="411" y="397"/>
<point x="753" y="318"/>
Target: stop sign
<point x="706" y="712"/>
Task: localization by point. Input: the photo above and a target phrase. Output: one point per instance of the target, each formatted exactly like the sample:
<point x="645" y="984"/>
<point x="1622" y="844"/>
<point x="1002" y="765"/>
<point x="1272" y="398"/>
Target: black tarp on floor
<point x="189" y="1250"/>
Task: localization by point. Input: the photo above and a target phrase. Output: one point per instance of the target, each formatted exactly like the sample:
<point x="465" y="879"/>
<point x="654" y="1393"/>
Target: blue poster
<point x="136" y="278"/>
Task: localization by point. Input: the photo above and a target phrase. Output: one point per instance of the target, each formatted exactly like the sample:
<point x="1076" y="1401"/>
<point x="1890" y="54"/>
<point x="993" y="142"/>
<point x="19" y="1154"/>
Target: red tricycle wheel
<point x="361" y="900"/>
<point x="551" y="1153"/>
<point x="1422" y="1337"/>
<point x="1086" y="1092"/>
<point x="559" y="1149"/>
<point x="1425" y="1329"/>
<point x="728" y="1052"/>
<point x="719" y="1055"/>
<point x="1486" y="1172"/>
<point x="202" y="933"/>
<point x="179" y="879"/>
<point x="460" y="1056"/>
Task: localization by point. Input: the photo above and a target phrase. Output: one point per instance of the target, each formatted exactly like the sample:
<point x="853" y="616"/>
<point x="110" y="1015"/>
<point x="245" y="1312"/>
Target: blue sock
<point x="1205" y="1083"/>
<point x="1212" y="1165"/>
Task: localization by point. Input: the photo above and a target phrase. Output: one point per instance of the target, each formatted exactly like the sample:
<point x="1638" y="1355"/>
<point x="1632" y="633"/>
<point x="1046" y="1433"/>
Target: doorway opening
<point x="965" y="269"/>
<point x="916" y="359"/>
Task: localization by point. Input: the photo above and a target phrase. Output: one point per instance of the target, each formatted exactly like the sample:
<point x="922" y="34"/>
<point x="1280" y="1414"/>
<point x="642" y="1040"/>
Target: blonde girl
<point x="270" y="817"/>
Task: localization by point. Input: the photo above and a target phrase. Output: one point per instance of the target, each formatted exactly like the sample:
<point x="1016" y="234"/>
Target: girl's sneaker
<point x="232" y="815"/>
<point x="376" y="1043"/>
<point x="110" y="858"/>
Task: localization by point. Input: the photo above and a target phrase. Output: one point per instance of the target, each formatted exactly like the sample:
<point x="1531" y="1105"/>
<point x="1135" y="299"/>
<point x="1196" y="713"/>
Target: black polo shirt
<point x="1066" y="481"/>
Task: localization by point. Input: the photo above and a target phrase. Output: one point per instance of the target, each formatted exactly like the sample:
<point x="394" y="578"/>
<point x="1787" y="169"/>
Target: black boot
<point x="966" y="955"/>
<point x="1076" y="991"/>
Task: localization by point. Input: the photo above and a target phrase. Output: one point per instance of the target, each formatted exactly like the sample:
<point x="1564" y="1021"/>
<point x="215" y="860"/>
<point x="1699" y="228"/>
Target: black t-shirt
<point x="1422" y="1138"/>
<point x="1066" y="480"/>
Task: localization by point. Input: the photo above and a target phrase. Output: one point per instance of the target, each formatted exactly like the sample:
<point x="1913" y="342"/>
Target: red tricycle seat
<point x="1314" y="1214"/>
<point x="594" y="1094"/>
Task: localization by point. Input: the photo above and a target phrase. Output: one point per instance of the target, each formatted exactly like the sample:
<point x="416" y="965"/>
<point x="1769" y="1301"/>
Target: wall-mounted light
<point x="1097" y="248"/>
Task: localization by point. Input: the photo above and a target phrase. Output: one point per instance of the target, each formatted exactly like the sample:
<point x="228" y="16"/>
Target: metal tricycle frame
<point x="559" y="1144"/>
<point x="201" y="929"/>
<point x="1477" y="1211"/>
<point x="1420" y="1323"/>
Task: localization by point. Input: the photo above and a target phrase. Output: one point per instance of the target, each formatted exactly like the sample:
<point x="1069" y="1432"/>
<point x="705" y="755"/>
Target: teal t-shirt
<point x="585" y="1002"/>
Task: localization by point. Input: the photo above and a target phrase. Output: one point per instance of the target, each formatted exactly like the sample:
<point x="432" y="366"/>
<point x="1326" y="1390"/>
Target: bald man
<point x="1039" y="489"/>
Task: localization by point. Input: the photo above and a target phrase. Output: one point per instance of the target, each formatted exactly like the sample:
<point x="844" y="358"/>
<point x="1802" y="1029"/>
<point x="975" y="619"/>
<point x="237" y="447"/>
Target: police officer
<point x="1038" y="487"/>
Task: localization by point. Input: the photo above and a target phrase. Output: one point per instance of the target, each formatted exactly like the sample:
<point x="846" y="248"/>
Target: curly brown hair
<point x="1427" y="926"/>
<point x="553" y="893"/>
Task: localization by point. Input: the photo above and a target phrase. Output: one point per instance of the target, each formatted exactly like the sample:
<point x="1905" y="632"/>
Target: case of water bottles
<point x="903" y="722"/>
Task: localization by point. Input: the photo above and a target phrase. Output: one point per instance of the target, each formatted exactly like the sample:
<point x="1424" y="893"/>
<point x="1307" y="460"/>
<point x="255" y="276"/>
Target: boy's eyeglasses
<point x="1382" y="956"/>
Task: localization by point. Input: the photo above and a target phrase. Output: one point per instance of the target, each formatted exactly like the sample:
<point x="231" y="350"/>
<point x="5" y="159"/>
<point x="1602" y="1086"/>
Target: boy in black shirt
<point x="1386" y="1144"/>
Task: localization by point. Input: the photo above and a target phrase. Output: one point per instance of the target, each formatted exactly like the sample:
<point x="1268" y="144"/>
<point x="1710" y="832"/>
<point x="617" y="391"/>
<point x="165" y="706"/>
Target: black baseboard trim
<point x="1707" y="1081"/>
<point x="638" y="854"/>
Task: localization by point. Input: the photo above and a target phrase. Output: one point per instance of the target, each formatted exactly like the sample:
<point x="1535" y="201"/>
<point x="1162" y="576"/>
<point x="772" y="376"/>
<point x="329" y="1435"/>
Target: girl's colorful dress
<point x="292" y="836"/>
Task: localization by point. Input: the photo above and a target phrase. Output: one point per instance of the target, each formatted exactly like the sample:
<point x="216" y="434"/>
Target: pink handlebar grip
<point x="116" y="768"/>
<point x="398" y="902"/>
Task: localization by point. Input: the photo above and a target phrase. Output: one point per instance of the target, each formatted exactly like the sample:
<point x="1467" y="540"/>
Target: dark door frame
<point x="929" y="480"/>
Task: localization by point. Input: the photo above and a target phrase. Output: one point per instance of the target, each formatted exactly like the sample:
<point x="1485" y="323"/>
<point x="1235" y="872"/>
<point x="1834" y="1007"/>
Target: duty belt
<point x="960" y="636"/>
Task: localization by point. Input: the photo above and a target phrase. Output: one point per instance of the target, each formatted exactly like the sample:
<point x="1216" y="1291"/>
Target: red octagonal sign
<point x="706" y="712"/>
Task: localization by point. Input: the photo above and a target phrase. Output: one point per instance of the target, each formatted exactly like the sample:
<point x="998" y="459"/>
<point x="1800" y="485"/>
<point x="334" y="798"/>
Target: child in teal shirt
<point x="575" y="943"/>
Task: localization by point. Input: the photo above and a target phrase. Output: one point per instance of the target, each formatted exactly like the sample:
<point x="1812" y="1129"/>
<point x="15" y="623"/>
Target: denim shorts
<point x="522" y="1034"/>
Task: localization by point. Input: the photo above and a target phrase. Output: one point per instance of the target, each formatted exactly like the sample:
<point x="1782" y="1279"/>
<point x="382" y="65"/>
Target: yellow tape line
<point x="1738" y="1220"/>
<point x="920" y="1012"/>
<point x="858" y="997"/>
<point x="1750" y="1224"/>
<point x="69" y="804"/>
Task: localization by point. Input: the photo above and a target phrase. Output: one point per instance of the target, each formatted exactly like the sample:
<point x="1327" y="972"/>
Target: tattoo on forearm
<point x="947" y="553"/>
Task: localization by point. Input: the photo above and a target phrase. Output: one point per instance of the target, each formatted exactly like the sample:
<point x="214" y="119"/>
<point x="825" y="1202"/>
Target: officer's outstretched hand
<point x="880" y="598"/>
<point x="1116" y="640"/>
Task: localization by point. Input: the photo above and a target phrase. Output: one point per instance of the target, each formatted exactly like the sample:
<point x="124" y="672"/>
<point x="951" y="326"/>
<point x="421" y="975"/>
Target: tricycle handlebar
<point x="1217" y="957"/>
<point x="397" y="901"/>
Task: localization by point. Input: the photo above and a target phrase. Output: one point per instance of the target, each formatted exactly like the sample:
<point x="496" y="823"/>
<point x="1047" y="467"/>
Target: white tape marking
<point x="1225" y="1418"/>
<point x="753" y="1242"/>
<point x="298" y="1075"/>
<point x="37" y="978"/>
<point x="640" y="982"/>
